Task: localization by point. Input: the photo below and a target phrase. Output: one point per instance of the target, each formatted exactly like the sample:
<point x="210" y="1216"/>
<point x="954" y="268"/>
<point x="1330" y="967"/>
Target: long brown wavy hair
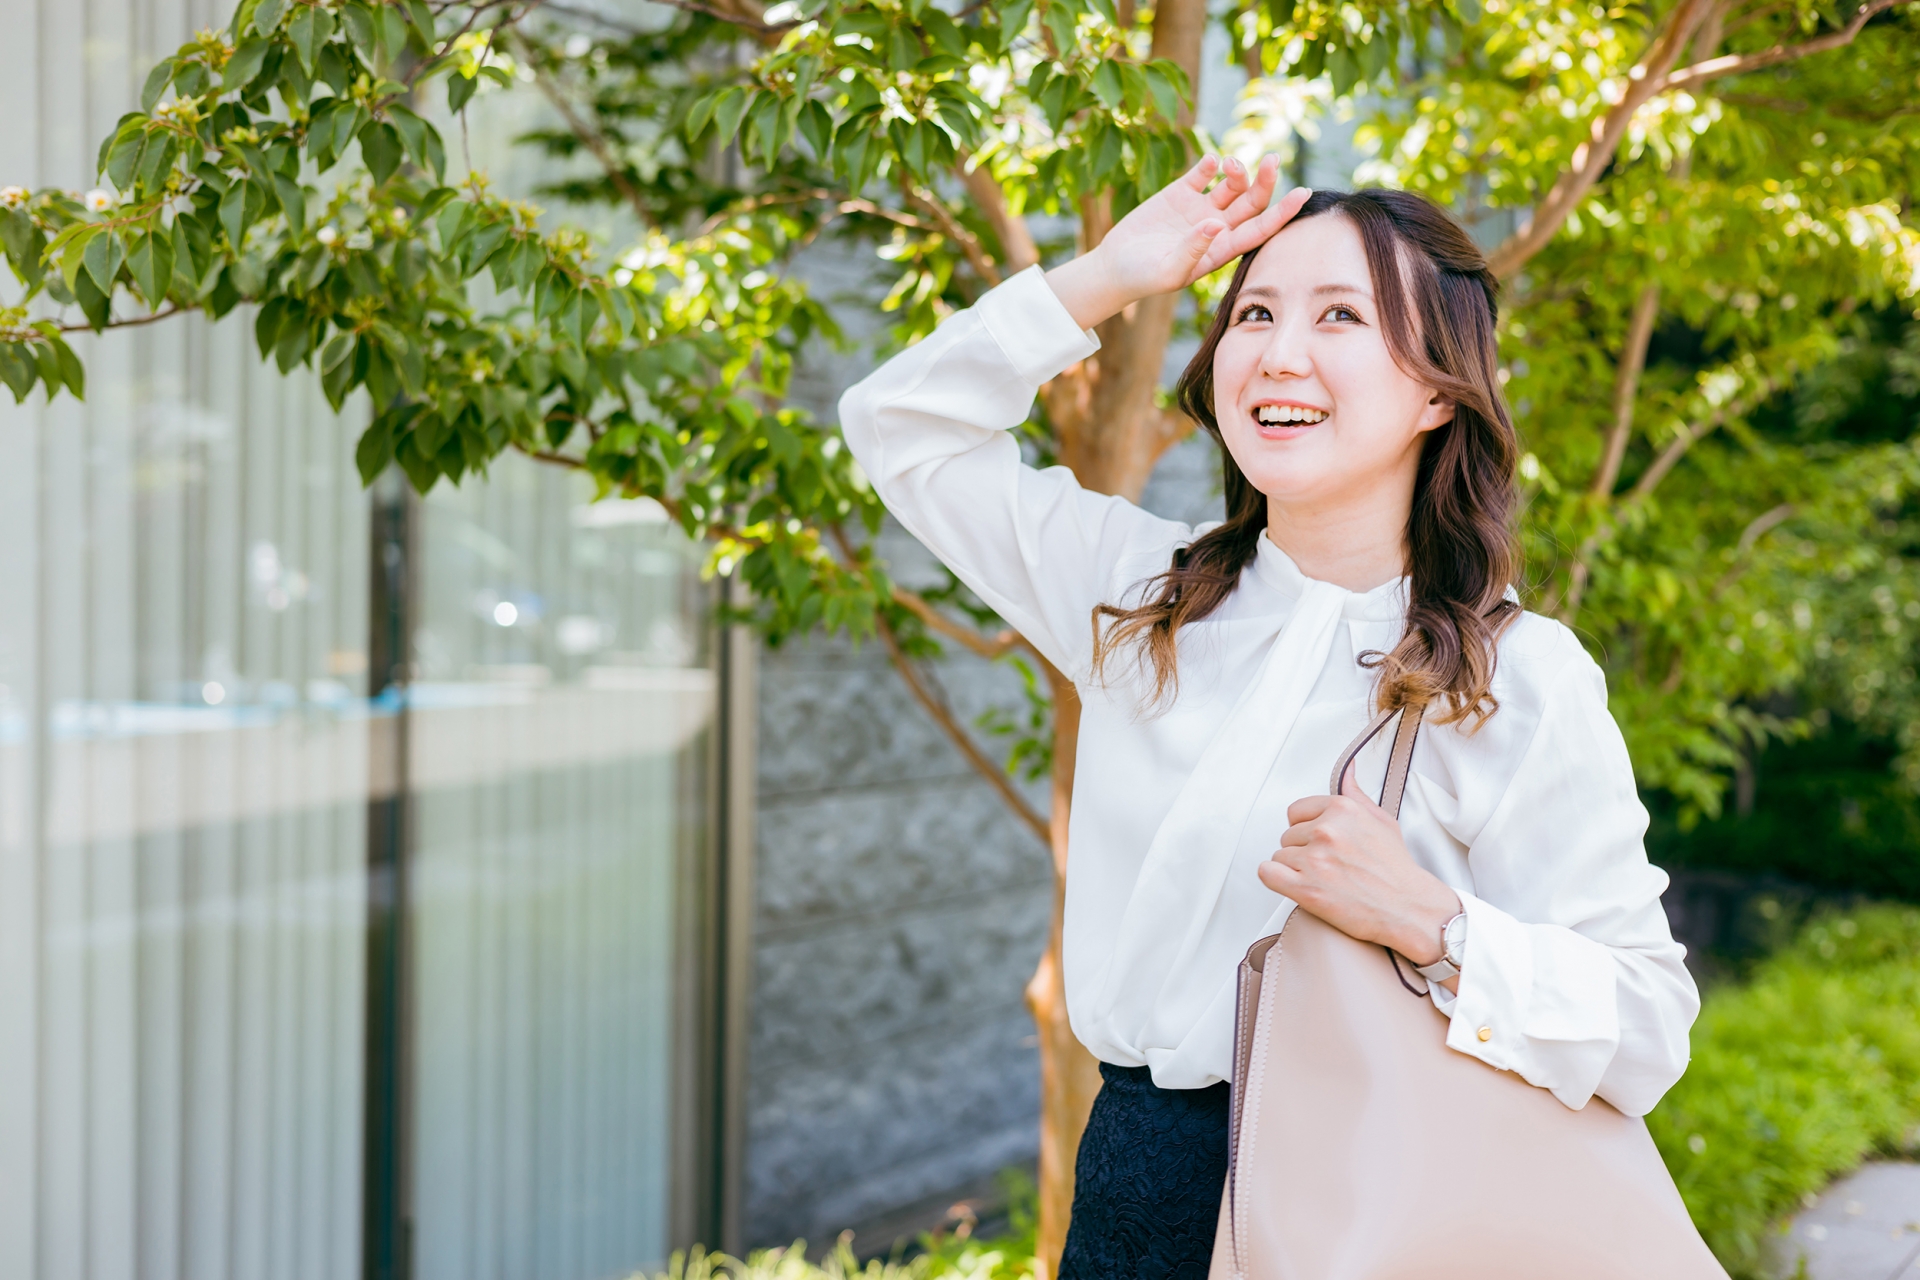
<point x="1438" y="303"/>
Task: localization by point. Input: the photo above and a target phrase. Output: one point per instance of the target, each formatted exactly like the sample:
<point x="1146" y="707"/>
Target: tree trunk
<point x="1110" y="432"/>
<point x="1069" y="1075"/>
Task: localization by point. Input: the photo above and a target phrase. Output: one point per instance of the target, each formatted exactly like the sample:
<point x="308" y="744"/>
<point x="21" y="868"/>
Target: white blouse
<point x="1571" y="977"/>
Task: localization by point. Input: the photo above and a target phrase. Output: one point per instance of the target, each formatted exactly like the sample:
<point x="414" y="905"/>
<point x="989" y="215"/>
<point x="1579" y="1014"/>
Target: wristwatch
<point x="1453" y="951"/>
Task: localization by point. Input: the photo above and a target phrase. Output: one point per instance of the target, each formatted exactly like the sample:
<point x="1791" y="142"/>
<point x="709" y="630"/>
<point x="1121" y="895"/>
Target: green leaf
<point x="945" y="34"/>
<point x="266" y="325"/>
<point x="124" y="158"/>
<point x="902" y="49"/>
<point x="528" y="257"/>
<point x="308" y="31"/>
<point x="17" y="369"/>
<point x="816" y="126"/>
<point x="121" y="129"/>
<point x="157" y="161"/>
<point x="296" y="340"/>
<point x="1107" y="86"/>
<point x="233" y="214"/>
<point x="422" y="140"/>
<point x="157" y="81"/>
<point x="485" y="241"/>
<point x="1013" y="22"/>
<point x="245" y="63"/>
<point x="1059" y="22"/>
<point x="360" y="29"/>
<point x="72" y="372"/>
<point x="95" y="305"/>
<point x="151" y="263"/>
<point x="337" y="349"/>
<point x="104" y="257"/>
<point x="460" y="88"/>
<point x="1344" y="68"/>
<point x="24" y="243"/>
<point x="701" y="113"/>
<point x="374" y="451"/>
<point x="191" y="79"/>
<point x="420" y="18"/>
<point x="763" y="128"/>
<point x="1168" y="84"/>
<point x="1469" y="10"/>
<point x="727" y="112"/>
<point x="381" y="148"/>
<point x="1376" y="53"/>
<point x="192" y="251"/>
<point x="293" y="202"/>
<point x="338" y="377"/>
<point x="390" y="32"/>
<point x="267" y="15"/>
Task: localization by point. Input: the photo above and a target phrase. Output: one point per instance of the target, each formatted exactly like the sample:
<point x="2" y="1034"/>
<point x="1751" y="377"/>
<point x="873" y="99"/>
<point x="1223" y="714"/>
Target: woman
<point x="1366" y="561"/>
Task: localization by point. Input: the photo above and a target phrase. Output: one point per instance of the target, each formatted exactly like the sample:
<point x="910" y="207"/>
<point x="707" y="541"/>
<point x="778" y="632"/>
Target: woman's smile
<point x="1286" y="419"/>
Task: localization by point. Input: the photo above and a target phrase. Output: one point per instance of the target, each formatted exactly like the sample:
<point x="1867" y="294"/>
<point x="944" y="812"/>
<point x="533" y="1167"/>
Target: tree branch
<point x="1626" y="388"/>
<point x="852" y="205"/>
<point x="988" y="647"/>
<point x="166" y="313"/>
<point x="977" y="256"/>
<point x="591" y="137"/>
<point x="742" y="13"/>
<point x="550" y="456"/>
<point x="1734" y="64"/>
<point x="1591" y="158"/>
<point x="943" y="716"/>
<point x="1759" y="527"/>
<point x="1016" y="241"/>
<point x="1565" y="607"/>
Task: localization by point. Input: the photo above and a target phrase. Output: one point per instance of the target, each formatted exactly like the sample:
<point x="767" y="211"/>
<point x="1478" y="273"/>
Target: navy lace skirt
<point x="1146" y="1195"/>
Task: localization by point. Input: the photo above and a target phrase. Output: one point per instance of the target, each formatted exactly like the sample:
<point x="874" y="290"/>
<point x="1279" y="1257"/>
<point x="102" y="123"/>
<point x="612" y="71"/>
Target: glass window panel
<point x="558" y="727"/>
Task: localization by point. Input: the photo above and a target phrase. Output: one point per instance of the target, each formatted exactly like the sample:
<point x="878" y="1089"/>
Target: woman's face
<point x="1309" y="400"/>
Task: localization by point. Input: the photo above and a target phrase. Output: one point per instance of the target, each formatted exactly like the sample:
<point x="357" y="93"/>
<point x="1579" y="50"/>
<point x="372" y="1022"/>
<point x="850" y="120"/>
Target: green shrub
<point x="955" y="1255"/>
<point x="1797" y="1075"/>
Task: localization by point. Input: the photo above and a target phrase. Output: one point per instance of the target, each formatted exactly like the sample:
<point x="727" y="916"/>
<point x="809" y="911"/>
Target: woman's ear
<point x="1437" y="412"/>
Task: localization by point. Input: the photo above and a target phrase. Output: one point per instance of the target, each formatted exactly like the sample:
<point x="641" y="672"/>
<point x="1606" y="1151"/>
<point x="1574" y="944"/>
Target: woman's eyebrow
<point x="1268" y="291"/>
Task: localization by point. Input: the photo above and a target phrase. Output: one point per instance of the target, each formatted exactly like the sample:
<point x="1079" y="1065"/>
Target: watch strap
<point x="1439" y="971"/>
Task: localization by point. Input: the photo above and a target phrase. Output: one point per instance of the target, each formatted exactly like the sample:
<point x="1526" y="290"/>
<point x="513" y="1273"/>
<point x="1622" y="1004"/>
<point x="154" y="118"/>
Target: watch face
<point x="1455" y="939"/>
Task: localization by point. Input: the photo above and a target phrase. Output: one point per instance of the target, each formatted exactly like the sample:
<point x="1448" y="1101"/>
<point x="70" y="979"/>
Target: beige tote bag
<point x="1363" y="1148"/>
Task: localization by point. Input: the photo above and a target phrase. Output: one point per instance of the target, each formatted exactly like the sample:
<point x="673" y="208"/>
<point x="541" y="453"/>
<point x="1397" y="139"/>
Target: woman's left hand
<point x="1342" y="858"/>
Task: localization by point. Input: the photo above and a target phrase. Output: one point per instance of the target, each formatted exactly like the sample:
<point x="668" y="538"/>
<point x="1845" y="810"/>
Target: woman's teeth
<point x="1275" y="414"/>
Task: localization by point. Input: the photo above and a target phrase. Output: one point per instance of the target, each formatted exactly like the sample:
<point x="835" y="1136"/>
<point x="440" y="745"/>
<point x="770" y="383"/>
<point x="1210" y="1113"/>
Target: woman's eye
<point x="1252" y="311"/>
<point x="1342" y="312"/>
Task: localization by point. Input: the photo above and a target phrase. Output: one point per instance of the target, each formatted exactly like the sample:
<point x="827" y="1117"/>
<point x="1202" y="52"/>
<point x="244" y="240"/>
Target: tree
<point x="1673" y="174"/>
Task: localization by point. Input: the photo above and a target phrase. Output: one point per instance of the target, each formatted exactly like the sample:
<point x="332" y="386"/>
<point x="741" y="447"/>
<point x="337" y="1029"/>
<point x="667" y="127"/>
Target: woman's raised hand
<point x="1183" y="232"/>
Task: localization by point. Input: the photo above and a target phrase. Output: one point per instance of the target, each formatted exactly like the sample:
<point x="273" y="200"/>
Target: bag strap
<point x="1394" y="789"/>
<point x="1399" y="764"/>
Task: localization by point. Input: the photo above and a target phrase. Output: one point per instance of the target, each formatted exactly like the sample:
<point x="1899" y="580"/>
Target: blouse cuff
<point x="1033" y="328"/>
<point x="1537" y="1000"/>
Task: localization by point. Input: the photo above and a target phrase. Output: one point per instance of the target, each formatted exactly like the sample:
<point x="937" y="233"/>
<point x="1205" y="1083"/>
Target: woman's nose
<point x="1285" y="355"/>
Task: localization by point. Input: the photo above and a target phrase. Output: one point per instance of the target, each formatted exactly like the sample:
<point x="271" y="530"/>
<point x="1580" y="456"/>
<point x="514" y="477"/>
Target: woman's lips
<point x="1284" y="420"/>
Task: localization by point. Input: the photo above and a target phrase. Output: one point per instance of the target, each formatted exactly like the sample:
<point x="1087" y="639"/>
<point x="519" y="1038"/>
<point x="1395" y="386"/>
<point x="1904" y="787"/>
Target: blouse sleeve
<point x="1572" y="978"/>
<point x="931" y="430"/>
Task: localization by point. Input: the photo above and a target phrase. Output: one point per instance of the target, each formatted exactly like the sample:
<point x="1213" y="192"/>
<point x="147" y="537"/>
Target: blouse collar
<point x="1385" y="603"/>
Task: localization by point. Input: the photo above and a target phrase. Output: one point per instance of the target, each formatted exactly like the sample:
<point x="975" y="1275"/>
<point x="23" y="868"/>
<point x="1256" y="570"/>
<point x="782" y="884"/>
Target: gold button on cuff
<point x="1486" y="1033"/>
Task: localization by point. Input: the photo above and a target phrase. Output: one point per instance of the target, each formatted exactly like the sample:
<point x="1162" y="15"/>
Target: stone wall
<point x="900" y="910"/>
<point x="900" y="906"/>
